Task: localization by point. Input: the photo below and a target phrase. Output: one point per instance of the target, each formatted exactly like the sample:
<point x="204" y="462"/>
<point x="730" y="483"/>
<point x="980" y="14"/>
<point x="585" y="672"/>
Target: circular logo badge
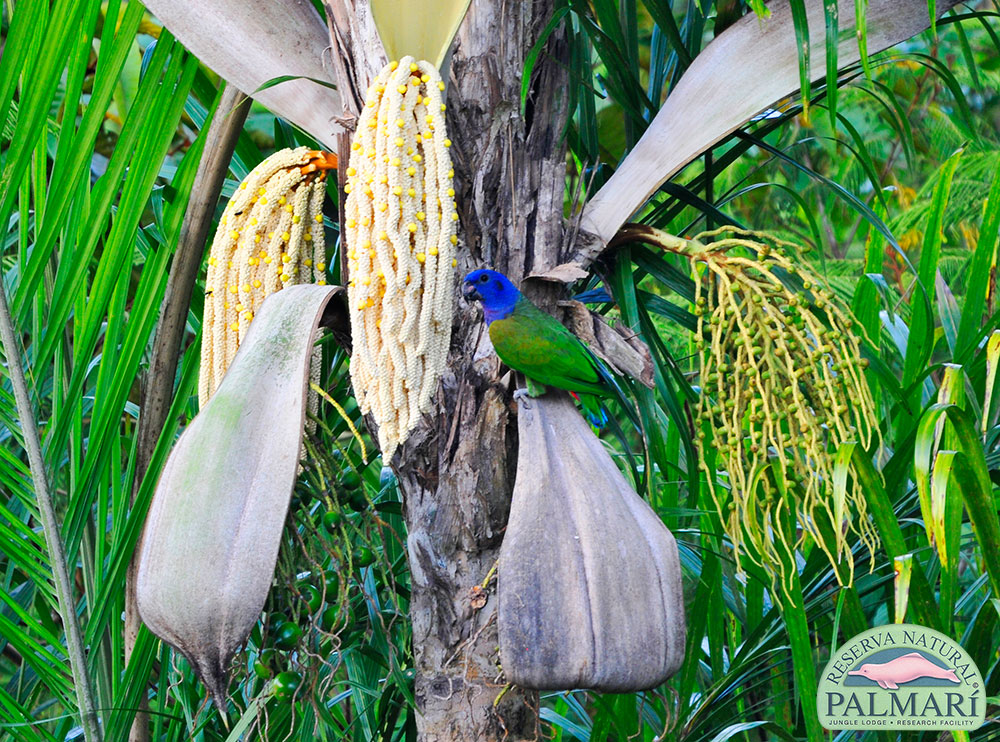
<point x="901" y="676"/>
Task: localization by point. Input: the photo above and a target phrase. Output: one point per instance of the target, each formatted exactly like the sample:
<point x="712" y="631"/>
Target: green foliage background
<point x="895" y="192"/>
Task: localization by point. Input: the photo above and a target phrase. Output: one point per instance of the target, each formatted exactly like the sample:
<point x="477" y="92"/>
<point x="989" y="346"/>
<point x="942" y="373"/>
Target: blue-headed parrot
<point x="536" y="344"/>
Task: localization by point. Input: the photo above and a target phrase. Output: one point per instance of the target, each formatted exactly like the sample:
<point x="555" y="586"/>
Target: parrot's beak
<point x="470" y="293"/>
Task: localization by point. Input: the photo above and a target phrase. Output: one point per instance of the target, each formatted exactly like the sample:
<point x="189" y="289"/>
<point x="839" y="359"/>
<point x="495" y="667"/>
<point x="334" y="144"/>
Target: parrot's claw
<point x="520" y="394"/>
<point x="533" y="388"/>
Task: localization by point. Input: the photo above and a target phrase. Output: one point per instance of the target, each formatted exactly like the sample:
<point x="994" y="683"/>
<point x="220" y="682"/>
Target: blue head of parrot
<point x="497" y="294"/>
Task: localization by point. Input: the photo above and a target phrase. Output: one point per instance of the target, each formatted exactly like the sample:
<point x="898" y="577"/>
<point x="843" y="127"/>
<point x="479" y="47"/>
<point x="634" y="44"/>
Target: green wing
<point x="538" y="346"/>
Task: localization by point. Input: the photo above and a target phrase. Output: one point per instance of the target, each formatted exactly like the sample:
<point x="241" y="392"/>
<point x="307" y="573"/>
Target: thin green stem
<point x="51" y="526"/>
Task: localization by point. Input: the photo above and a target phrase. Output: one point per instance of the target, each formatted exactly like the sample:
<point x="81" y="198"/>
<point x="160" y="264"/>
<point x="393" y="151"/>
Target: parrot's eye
<point x="484" y="278"/>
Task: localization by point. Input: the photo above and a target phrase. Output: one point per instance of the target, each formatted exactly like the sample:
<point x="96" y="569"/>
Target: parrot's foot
<point x="534" y="388"/>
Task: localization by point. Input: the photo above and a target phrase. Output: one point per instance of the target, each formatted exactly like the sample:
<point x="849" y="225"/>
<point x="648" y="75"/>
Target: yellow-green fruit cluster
<point x="782" y="387"/>
<point x="400" y="222"/>
<point x="270" y="236"/>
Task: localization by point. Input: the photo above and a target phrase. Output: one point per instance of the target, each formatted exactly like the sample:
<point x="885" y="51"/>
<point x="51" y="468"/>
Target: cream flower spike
<point x="270" y="236"/>
<point x="400" y="222"/>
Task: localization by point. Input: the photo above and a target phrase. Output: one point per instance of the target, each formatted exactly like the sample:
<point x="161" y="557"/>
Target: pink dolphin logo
<point x="902" y="670"/>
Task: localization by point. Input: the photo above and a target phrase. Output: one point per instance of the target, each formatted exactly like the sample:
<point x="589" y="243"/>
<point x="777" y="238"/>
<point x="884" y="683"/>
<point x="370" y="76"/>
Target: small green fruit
<point x="331" y="620"/>
<point x="351" y="480"/>
<point x="357" y="501"/>
<point x="287" y="635"/>
<point x="312" y="596"/>
<point x="262" y="667"/>
<point x="286" y="684"/>
<point x="332" y="520"/>
<point x="277" y="618"/>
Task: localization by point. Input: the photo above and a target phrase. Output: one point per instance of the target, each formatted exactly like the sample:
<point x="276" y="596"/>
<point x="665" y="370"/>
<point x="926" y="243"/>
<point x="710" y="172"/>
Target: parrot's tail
<point x="593" y="410"/>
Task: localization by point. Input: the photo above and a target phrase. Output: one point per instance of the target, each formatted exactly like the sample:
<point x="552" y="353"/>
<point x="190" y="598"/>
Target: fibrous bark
<point x="456" y="471"/>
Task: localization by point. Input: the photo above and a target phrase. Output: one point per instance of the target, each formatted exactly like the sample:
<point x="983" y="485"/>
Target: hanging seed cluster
<point x="270" y="236"/>
<point x="782" y="388"/>
<point x="400" y="221"/>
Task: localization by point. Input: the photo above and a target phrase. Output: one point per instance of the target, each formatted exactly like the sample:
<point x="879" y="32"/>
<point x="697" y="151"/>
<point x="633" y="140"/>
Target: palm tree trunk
<point x="456" y="472"/>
